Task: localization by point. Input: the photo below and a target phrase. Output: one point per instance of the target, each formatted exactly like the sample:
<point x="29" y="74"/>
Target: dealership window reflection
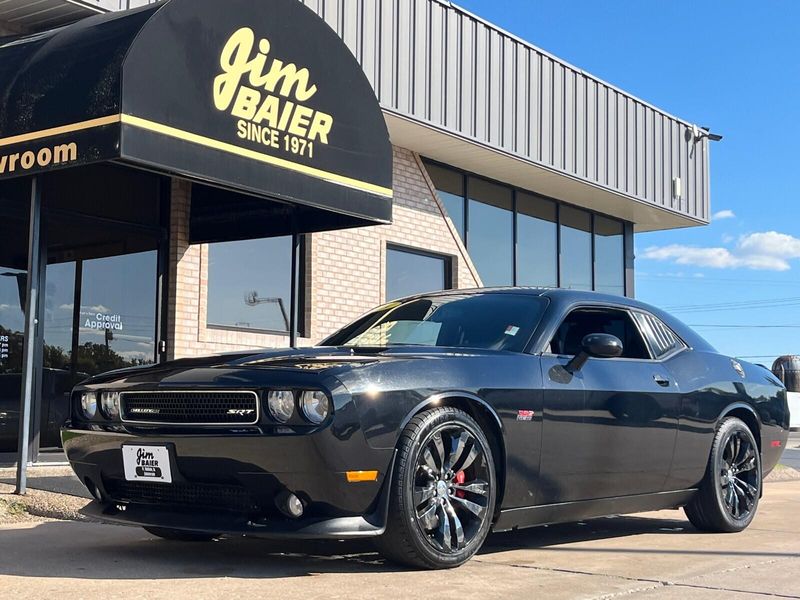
<point x="410" y="272"/>
<point x="249" y="284"/>
<point x="609" y="251"/>
<point x="117" y="312"/>
<point x="450" y="189"/>
<point x="490" y="231"/>
<point x="576" y="249"/>
<point x="537" y="245"/>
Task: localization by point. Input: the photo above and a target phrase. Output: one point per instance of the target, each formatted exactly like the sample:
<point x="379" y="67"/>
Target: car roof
<point x="565" y="297"/>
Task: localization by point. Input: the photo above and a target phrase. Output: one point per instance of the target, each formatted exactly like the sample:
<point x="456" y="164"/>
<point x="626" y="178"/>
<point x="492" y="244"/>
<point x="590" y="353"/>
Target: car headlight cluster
<point x="108" y="404"/>
<point x="89" y="404"/>
<point x="314" y="405"/>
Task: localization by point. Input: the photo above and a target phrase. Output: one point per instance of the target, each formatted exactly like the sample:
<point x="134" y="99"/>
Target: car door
<point x="609" y="429"/>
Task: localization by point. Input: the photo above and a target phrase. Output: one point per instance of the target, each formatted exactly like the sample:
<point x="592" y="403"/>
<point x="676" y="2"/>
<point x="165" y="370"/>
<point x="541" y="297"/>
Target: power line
<point x="750" y="326"/>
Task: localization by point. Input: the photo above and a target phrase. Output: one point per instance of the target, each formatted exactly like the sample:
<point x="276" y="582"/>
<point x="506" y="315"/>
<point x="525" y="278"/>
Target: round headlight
<point x="281" y="404"/>
<point x="89" y="404"/>
<point x="315" y="405"/>
<point x="109" y="405"/>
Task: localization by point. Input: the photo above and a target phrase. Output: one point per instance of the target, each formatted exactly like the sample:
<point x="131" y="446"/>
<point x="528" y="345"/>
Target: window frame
<point x="627" y="232"/>
<point x="601" y="306"/>
<point x="677" y="349"/>
<point x="301" y="300"/>
<point x="448" y="260"/>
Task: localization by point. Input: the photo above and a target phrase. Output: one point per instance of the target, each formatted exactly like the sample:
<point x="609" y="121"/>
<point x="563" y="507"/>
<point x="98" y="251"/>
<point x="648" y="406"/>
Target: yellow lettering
<point x="320" y="127"/>
<point x="27" y="160"/>
<point x="288" y="76"/>
<point x="12" y="162"/>
<point x="300" y="121"/>
<point x="285" y="115"/>
<point x="234" y="63"/>
<point x="65" y="153"/>
<point x="269" y="111"/>
<point x="44" y="157"/>
<point x="246" y="103"/>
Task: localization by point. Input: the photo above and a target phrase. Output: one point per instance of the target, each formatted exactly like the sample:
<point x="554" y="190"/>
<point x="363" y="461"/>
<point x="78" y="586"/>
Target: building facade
<point x="510" y="167"/>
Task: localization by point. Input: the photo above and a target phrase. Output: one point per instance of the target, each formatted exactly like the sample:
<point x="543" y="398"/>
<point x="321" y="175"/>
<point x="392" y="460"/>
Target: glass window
<point x="537" y="241"/>
<point x="609" y="256"/>
<point x="59" y="303"/>
<point x="117" y="312"/>
<point x="576" y="249"/>
<point x="491" y="232"/>
<point x="13" y="284"/>
<point x="493" y="321"/>
<point x="249" y="284"/>
<point x="409" y="273"/>
<point x="450" y="187"/>
<point x="662" y="339"/>
<point x="581" y="322"/>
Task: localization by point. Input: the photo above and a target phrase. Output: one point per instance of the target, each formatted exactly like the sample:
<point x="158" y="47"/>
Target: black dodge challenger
<point x="432" y="420"/>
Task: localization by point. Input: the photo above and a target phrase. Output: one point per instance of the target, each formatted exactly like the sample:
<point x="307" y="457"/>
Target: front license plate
<point x="147" y="463"/>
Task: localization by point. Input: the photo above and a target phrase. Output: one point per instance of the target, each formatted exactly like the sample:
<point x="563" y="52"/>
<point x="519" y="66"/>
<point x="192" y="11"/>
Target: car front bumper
<point x="229" y="483"/>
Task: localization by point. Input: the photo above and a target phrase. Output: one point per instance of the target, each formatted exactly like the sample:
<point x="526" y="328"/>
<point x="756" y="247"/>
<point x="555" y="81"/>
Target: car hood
<point x="321" y="359"/>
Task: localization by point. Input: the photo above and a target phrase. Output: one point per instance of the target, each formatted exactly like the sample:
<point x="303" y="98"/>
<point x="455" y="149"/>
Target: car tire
<point x="728" y="497"/>
<point x="443" y="491"/>
<point x="178" y="535"/>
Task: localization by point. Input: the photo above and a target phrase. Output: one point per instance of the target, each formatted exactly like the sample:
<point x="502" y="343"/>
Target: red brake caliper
<point x="459" y="479"/>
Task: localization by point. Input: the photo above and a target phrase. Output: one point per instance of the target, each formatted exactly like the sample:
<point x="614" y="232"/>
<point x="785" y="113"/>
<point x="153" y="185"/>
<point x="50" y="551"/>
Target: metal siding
<point x="546" y="93"/>
<point x="591" y="131"/>
<point x="436" y="82"/>
<point x="601" y="148"/>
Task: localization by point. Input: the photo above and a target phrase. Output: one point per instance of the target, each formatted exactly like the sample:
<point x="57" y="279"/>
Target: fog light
<point x="89" y="404"/>
<point x="290" y="505"/>
<point x="109" y="405"/>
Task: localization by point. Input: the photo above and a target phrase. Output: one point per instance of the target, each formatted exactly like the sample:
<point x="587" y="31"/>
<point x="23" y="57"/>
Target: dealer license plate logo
<point x="146" y="463"/>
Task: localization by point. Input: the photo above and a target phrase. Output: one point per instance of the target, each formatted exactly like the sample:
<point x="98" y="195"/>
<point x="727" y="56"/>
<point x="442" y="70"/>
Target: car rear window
<point x="491" y="321"/>
<point x="661" y="338"/>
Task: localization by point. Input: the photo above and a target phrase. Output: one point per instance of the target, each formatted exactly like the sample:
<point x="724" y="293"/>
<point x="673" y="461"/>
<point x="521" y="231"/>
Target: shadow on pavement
<point x="94" y="551"/>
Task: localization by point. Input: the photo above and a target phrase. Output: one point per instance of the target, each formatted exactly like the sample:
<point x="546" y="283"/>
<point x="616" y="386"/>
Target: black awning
<point x="258" y="97"/>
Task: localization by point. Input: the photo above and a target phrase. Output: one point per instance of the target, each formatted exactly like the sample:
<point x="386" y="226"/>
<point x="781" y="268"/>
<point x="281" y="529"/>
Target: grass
<point x="12" y="508"/>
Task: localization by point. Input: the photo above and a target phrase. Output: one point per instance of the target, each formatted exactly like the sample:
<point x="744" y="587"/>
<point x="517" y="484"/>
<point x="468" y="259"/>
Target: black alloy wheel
<point x="443" y="492"/>
<point x="728" y="497"/>
<point x="738" y="475"/>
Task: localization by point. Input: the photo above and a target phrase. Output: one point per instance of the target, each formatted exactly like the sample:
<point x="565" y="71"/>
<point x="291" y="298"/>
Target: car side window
<point x="662" y="339"/>
<point x="583" y="321"/>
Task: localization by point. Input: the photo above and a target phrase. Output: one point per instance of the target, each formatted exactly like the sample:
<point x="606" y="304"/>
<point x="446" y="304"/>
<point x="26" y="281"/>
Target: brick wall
<point x="344" y="269"/>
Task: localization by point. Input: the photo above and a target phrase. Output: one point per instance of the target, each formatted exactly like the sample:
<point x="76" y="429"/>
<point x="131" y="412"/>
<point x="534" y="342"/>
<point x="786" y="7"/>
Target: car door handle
<point x="661" y="380"/>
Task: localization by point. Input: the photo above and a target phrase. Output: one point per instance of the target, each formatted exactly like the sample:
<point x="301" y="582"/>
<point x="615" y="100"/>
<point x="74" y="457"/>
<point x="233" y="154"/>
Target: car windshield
<point x="491" y="321"/>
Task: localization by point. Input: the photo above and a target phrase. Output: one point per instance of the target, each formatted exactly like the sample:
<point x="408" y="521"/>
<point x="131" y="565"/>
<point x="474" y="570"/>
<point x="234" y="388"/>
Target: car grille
<point x="195" y="495"/>
<point x="190" y="407"/>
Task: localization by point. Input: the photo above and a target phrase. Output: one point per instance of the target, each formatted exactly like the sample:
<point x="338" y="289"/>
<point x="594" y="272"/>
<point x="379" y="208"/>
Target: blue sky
<point x="733" y="66"/>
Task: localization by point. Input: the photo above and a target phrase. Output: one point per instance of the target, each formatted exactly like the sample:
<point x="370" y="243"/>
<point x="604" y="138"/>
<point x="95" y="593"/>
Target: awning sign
<point x="254" y="96"/>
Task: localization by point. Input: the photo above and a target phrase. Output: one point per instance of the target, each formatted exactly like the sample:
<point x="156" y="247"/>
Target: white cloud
<point x="764" y="251"/>
<point x="771" y="243"/>
<point x="723" y="214"/>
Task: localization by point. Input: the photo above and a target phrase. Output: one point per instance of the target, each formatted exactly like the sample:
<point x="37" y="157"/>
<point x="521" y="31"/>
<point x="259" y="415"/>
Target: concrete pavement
<point x="654" y="555"/>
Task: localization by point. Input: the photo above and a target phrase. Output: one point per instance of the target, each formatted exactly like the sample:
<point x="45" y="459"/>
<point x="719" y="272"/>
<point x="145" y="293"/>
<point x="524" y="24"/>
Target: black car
<point x="433" y="420"/>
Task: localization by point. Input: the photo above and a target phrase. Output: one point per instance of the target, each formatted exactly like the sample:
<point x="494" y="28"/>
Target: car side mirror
<point x="595" y="345"/>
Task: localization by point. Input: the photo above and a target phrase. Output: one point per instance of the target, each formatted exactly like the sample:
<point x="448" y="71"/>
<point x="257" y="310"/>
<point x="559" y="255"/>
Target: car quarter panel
<point x="389" y="393"/>
<point x="710" y="388"/>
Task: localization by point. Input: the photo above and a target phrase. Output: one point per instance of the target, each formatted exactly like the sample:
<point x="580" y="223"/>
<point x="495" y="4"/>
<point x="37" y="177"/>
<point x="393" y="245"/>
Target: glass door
<point x="12" y="326"/>
<point x="117" y="318"/>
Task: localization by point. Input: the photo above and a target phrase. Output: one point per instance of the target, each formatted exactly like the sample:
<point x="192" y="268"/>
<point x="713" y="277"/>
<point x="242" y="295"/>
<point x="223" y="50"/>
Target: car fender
<point x="440" y="398"/>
